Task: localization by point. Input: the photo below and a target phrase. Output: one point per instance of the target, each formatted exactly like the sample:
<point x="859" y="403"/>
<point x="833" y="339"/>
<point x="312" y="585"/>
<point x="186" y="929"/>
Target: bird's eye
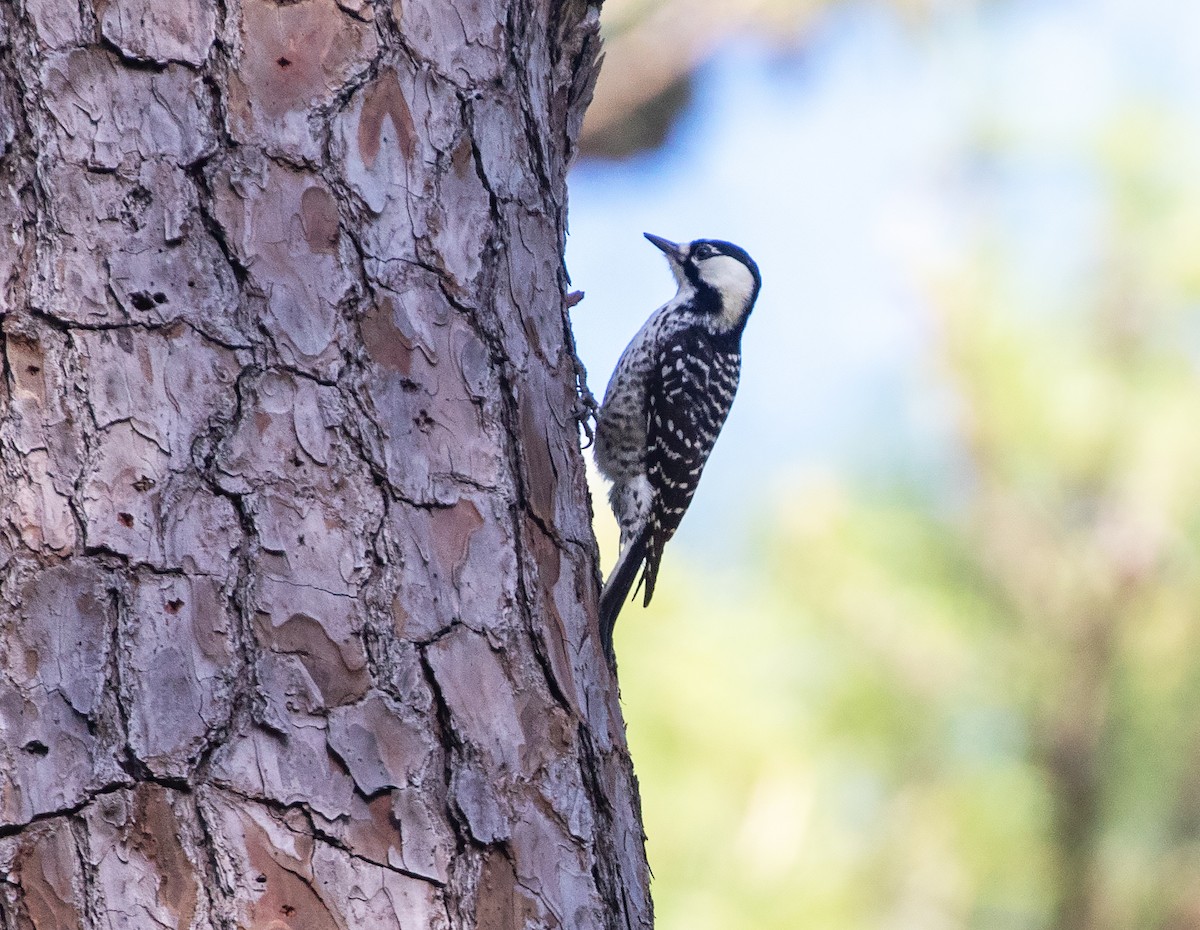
<point x="704" y="251"/>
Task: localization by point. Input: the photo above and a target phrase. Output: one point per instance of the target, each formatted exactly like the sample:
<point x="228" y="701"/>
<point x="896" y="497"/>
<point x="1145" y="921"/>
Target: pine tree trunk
<point x="297" y="577"/>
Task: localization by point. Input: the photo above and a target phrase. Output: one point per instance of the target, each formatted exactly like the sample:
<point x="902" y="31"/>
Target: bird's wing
<point x="688" y="399"/>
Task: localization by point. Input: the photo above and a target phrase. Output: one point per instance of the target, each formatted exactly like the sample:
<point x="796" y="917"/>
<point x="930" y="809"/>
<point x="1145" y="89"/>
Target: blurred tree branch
<point x="652" y="49"/>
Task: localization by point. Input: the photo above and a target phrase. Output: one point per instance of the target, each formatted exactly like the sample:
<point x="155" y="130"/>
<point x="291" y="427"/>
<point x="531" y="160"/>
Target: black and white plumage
<point x="666" y="403"/>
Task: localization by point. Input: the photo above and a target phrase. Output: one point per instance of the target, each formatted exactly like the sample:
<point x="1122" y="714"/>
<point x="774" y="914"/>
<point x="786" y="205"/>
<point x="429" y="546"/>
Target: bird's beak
<point x="669" y="248"/>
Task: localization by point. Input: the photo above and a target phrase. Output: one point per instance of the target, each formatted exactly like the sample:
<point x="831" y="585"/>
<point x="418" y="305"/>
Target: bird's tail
<point x="616" y="589"/>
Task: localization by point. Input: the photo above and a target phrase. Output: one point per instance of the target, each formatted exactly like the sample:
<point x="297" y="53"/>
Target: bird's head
<point x="720" y="278"/>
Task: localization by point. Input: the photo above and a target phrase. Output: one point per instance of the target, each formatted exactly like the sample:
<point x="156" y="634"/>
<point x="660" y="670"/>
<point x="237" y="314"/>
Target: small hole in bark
<point x="141" y="300"/>
<point x="191" y="284"/>
<point x="36" y="748"/>
<point x="174" y="606"/>
<point x="143" y="484"/>
<point x="160" y="297"/>
<point x="126" y="519"/>
<point x="261" y="879"/>
<point x="300" y="539"/>
<point x="33" y="369"/>
<point x="423" y="421"/>
<point x="283" y="62"/>
<point x="287" y="910"/>
<point x="409" y="386"/>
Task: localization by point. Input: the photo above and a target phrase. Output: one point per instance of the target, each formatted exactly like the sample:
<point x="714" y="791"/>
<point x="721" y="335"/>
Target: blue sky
<point x="857" y="170"/>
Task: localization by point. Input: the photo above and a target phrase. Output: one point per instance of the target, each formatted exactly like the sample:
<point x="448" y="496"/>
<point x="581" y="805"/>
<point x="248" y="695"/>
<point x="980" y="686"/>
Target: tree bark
<point x="297" y="575"/>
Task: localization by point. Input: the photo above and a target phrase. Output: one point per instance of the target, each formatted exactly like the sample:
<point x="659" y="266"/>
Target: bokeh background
<point x="926" y="650"/>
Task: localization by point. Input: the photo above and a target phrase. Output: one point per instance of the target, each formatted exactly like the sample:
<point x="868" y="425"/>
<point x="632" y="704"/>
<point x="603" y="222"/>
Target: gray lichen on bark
<point x="297" y="578"/>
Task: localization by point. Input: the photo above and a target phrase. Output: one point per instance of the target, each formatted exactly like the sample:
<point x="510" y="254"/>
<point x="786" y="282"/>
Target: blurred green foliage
<point x="979" y="711"/>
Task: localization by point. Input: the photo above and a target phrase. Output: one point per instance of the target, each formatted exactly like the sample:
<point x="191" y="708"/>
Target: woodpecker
<point x="666" y="403"/>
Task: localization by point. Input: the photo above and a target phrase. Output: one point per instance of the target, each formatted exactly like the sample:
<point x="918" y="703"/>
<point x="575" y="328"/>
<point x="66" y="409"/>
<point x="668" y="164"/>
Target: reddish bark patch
<point x="47" y="873"/>
<point x="309" y="38"/>
<point x="156" y="835"/>
<point x="452" y="529"/>
<point x="26" y="362"/>
<point x="319" y="219"/>
<point x="462" y="160"/>
<point x="386" y="345"/>
<point x="384" y="98"/>
<point x="501" y="905"/>
<point x="374" y="830"/>
<point x="543" y="479"/>
<point x="282" y="883"/>
<point x="305" y="637"/>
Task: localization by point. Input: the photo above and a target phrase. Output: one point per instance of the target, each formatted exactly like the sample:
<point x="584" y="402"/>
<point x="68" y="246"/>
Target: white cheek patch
<point x="734" y="281"/>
